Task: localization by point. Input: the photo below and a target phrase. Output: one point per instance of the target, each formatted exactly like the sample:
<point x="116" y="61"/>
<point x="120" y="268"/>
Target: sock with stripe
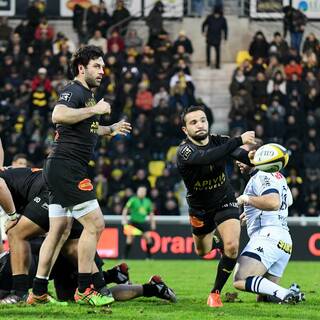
<point x="262" y="285"/>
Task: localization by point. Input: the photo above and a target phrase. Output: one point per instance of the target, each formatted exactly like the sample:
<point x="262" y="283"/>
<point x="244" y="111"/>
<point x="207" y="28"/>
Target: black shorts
<point x="144" y="226"/>
<point x="203" y="222"/>
<point x="37" y="211"/>
<point x="68" y="182"/>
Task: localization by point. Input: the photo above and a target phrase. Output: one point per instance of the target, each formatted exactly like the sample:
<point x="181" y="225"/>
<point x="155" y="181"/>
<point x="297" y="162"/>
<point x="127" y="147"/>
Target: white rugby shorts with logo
<point x="265" y="244"/>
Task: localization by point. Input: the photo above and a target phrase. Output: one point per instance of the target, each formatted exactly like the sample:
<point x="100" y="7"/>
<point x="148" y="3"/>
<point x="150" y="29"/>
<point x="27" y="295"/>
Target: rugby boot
<point x="164" y="292"/>
<point x="93" y="298"/>
<point x="214" y="300"/>
<point x="44" y="299"/>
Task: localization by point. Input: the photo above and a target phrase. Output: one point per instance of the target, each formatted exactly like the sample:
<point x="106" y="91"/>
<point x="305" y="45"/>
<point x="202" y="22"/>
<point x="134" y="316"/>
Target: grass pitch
<point x="192" y="281"/>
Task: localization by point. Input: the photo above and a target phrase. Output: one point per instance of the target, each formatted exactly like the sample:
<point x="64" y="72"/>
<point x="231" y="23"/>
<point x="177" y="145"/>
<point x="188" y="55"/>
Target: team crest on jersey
<point x="65" y="96"/>
<point x="186" y="152"/>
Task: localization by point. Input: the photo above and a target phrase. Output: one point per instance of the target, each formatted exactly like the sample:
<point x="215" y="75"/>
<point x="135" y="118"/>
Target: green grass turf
<point x="191" y="281"/>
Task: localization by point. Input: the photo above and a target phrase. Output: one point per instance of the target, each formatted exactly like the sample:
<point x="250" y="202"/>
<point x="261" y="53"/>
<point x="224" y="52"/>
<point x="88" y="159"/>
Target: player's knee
<point x="231" y="248"/>
<point x="201" y="252"/>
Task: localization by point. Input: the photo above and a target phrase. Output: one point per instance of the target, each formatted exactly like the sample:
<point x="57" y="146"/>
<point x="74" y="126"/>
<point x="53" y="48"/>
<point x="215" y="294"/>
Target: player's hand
<point x="251" y="155"/>
<point x="243" y="219"/>
<point x="102" y="107"/>
<point x="248" y="137"/>
<point x="122" y="127"/>
<point x="9" y="224"/>
<point x="243" y="199"/>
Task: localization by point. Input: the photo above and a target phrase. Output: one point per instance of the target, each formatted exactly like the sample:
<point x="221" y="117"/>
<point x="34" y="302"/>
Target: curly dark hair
<point x="83" y="56"/>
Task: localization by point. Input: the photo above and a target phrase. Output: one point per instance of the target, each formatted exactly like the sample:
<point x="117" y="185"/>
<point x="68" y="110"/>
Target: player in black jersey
<point x="24" y="190"/>
<point x="201" y="160"/>
<point x="72" y="195"/>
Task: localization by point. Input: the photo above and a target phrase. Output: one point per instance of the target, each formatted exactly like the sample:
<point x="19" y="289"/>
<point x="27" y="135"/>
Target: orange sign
<point x="108" y="245"/>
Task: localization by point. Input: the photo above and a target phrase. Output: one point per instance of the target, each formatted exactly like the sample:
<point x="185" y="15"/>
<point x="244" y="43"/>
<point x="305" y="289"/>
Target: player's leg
<point x="60" y="223"/>
<point x="129" y="242"/>
<point x="148" y="239"/>
<point x="90" y="216"/>
<point x="20" y="255"/>
<point x="155" y="287"/>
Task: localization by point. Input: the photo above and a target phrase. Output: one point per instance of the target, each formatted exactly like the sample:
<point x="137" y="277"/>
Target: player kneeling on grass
<point x="64" y="275"/>
<point x="261" y="264"/>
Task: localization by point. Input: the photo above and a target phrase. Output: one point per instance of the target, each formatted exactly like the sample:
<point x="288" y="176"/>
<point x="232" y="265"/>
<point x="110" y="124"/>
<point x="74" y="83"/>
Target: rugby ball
<point x="271" y="157"/>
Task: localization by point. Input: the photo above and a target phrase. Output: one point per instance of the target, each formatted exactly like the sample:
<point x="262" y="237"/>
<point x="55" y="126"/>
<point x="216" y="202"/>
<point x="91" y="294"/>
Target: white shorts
<point x="77" y="211"/>
<point x="272" y="246"/>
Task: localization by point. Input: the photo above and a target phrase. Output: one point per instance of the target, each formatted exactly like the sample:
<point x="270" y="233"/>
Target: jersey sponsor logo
<point x="37" y="199"/>
<point x="196" y="222"/>
<point x="85" y="185"/>
<point x="186" y="152"/>
<point x="90" y="102"/>
<point x="210" y="184"/>
<point x="278" y="175"/>
<point x="65" y="96"/>
<point x="45" y="206"/>
<point x="230" y="204"/>
<point x="286" y="247"/>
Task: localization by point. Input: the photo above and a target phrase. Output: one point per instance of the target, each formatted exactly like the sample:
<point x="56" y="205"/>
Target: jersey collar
<point x="252" y="173"/>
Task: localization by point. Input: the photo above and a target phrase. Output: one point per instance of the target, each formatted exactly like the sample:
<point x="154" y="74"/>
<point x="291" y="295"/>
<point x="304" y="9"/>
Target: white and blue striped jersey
<point x="262" y="183"/>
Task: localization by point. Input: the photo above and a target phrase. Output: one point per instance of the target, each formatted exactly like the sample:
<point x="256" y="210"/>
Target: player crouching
<point x="261" y="264"/>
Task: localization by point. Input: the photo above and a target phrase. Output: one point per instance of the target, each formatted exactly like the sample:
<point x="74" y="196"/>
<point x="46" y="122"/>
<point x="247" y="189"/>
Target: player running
<point x="201" y="160"/>
<point x="262" y="262"/>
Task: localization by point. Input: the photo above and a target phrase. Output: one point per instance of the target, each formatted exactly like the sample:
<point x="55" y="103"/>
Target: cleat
<point x="93" y="298"/>
<point x="164" y="292"/>
<point x="44" y="299"/>
<point x="214" y="300"/>
<point x="122" y="273"/>
<point x="105" y="292"/>
<point x="294" y="297"/>
<point x="12" y="298"/>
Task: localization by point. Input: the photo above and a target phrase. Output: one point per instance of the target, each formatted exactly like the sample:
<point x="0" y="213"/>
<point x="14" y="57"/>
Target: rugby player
<point x="266" y="199"/>
<point x="201" y="160"/>
<point x="71" y="193"/>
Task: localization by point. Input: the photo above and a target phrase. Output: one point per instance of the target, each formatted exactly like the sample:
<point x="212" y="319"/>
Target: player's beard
<point x="92" y="82"/>
<point x="200" y="137"/>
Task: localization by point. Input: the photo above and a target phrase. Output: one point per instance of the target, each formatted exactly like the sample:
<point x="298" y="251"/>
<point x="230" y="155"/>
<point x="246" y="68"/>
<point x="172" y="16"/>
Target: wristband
<point x="13" y="216"/>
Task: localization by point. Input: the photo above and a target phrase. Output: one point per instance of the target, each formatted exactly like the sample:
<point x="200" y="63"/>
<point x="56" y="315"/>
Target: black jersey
<point x="24" y="184"/>
<point x="76" y="141"/>
<point x="203" y="169"/>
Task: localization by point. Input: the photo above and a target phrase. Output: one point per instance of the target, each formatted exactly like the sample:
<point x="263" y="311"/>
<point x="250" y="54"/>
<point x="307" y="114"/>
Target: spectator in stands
<point x="98" y="40"/>
<point x="133" y="42"/>
<point x="311" y="43"/>
<point x="294" y="21"/>
<point x="44" y="28"/>
<point x="277" y="82"/>
<point x="278" y="46"/>
<point x="295" y="183"/>
<point x="259" y="89"/>
<point x="35" y="12"/>
<point x="184" y="41"/>
<point x="115" y="38"/>
<point x="170" y="205"/>
<point x="105" y="20"/>
<point x="239" y="81"/>
<point x="212" y="28"/>
<point x="259" y="47"/>
<point x="293" y="67"/>
<point x="78" y="22"/>
<point x="121" y="17"/>
<point x="93" y="19"/>
<point x="154" y="21"/>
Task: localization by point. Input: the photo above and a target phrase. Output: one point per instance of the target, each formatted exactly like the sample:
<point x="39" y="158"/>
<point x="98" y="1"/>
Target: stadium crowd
<point x="146" y="84"/>
<point x="276" y="92"/>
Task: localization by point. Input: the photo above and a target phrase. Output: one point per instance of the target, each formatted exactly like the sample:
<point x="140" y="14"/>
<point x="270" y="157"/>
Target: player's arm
<point x="6" y="201"/>
<point x="241" y="155"/>
<point x="125" y="215"/>
<point x="152" y="219"/>
<point x="266" y="202"/>
<point x="190" y="155"/>
<point x="122" y="127"/>
<point x="1" y="154"/>
<point x="63" y="114"/>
